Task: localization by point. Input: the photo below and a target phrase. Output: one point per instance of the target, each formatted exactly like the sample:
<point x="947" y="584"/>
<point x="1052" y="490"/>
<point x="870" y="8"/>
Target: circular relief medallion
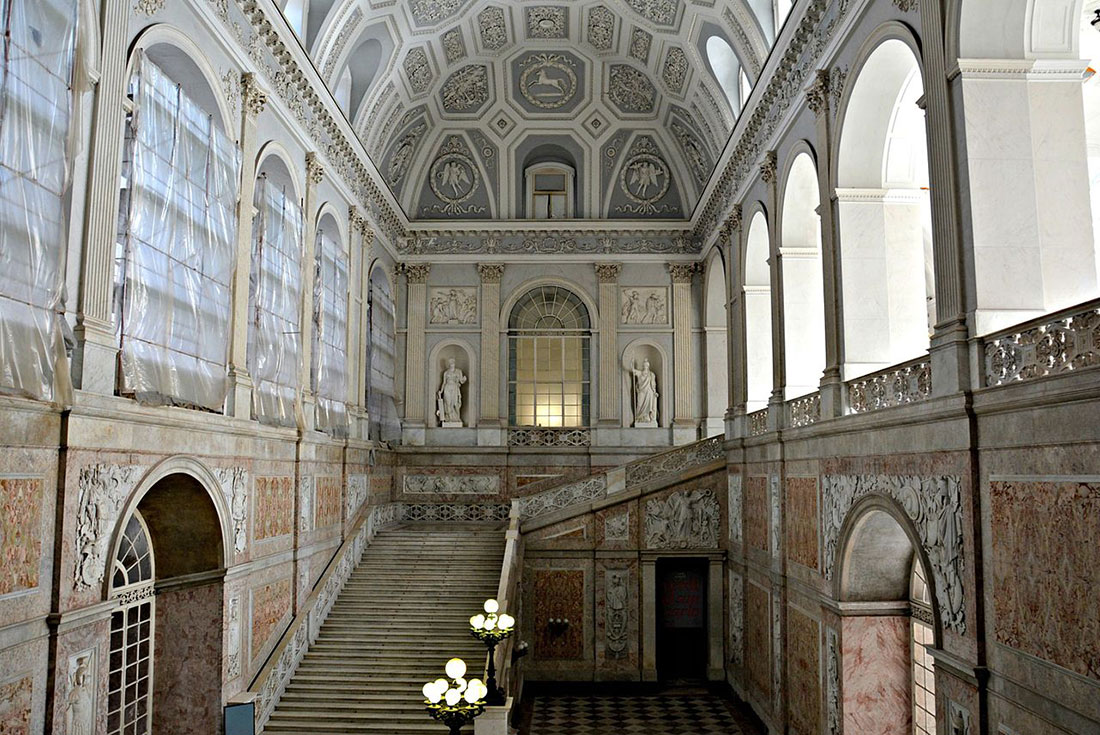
<point x="645" y="178"/>
<point x="548" y="81"/>
<point x="453" y="178"/>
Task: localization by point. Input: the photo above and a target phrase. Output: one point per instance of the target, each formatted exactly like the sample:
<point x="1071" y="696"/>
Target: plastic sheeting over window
<point x="35" y="110"/>
<point x="178" y="242"/>
<point x="330" y="336"/>
<point x="381" y="357"/>
<point x="275" y="297"/>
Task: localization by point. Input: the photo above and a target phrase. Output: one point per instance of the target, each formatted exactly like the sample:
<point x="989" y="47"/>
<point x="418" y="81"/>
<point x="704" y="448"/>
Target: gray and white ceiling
<point x="454" y="98"/>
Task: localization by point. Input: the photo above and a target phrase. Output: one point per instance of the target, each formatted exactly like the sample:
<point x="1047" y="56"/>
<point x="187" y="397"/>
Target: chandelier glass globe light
<point x="491" y="628"/>
<point x="454" y="701"/>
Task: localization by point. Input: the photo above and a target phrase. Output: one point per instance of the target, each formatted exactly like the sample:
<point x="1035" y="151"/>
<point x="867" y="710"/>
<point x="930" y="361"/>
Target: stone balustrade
<point x="900" y="385"/>
<point x="804" y="411"/>
<point x="1056" y="343"/>
<point x="758" y="422"/>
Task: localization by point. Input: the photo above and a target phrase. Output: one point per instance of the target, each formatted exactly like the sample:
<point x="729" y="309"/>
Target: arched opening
<point x="363" y="64"/>
<point x="549" y="334"/>
<point x="782" y="10"/>
<point x="165" y="665"/>
<point x="803" y="288"/>
<point x="275" y="296"/>
<point x="726" y="68"/>
<point x="174" y="268"/>
<point x="329" y="354"/>
<point x="550" y="183"/>
<point x="746" y="88"/>
<point x="381" y="360"/>
<point x="715" y="333"/>
<point x="758" y="315"/>
<point x="885" y="215"/>
<point x="295" y="13"/>
<point x="890" y="630"/>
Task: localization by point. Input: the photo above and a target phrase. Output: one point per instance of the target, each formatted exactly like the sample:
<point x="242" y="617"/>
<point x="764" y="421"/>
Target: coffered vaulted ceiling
<point x="454" y="98"/>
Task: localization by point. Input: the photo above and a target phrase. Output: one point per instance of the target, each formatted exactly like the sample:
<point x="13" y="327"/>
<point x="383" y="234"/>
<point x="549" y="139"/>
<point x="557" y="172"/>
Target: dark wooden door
<point x="682" y="619"/>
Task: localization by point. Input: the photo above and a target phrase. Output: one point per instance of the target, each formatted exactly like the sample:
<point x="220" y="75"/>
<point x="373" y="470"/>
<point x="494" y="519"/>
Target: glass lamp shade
<point x="456" y="668"/>
<point x="472" y="695"/>
<point x="490" y="623"/>
<point x="452" y="697"/>
<point x="432" y="692"/>
<point x="441" y="685"/>
<point x="461" y="684"/>
<point x="477" y="621"/>
<point x="491" y="606"/>
<point x="506" y="622"/>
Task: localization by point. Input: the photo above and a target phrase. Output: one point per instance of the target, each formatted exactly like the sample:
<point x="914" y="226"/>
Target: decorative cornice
<point x="253" y="98"/>
<point x="683" y="272"/>
<point x="608" y="272"/>
<point x="906" y="5"/>
<point x="148" y="7"/>
<point x="490" y="272"/>
<point x="415" y="272"/>
<point x="315" y="172"/>
<point x="817" y="96"/>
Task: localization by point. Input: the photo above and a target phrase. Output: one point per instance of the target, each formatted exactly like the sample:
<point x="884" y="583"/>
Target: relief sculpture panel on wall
<point x="102" y="491"/>
<point x="685" y="519"/>
<point x="452" y="305"/>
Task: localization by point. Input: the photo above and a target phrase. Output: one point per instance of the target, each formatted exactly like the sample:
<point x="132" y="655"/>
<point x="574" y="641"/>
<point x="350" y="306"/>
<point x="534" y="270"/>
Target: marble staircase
<point x="402" y="614"/>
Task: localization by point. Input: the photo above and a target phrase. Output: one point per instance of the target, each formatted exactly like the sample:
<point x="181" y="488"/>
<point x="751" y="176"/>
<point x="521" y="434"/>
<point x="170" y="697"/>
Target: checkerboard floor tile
<point x="664" y="714"/>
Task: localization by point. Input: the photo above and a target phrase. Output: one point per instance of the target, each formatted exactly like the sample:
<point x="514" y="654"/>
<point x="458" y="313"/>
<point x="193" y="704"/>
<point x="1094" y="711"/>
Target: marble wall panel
<point x="802" y="521"/>
<point x="21" y="514"/>
<point x="16" y="705"/>
<point x="617" y="618"/>
<point x="559" y="594"/>
<point x="756" y="513"/>
<point x="270" y="608"/>
<point x="803" y="673"/>
<point x="574" y="533"/>
<point x="616" y="527"/>
<point x="274" y="507"/>
<point x="328" y="489"/>
<point x="758" y="642"/>
<point x="188" y="645"/>
<point x="876" y="675"/>
<point x="1046" y="570"/>
<point x="381" y="487"/>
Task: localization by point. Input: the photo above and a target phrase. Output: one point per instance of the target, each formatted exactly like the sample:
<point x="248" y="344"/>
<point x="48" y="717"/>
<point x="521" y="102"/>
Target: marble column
<point x="610" y="371"/>
<point x="820" y="94"/>
<point x="239" y="398"/>
<point x="97" y="346"/>
<point x="768" y="174"/>
<point x="490" y="420"/>
<point x="416" y="275"/>
<point x="315" y="174"/>
<point x="735" y="323"/>
<point x="684" y="425"/>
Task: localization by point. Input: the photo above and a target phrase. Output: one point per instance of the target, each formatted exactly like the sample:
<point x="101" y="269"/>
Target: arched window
<point x="758" y="315"/>
<point x="548" y="359"/>
<point x="359" y="75"/>
<point x="177" y="248"/>
<point x="381" y="351"/>
<point x="275" y="297"/>
<point x="922" y="637"/>
<point x="725" y="66"/>
<point x="803" y="288"/>
<point x="885" y="215"/>
<point x="329" y="373"/>
<point x="130" y="674"/>
<point x="342" y="93"/>
<point x="716" y="375"/>
<point x="745" y="89"/>
<point x="295" y="13"/>
<point x="782" y="10"/>
<point x="550" y="188"/>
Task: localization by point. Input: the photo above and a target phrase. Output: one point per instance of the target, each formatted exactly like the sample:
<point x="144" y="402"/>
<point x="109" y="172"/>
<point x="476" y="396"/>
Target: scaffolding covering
<point x="35" y="112"/>
<point x="178" y="247"/>
<point x="275" y="299"/>
<point x="382" y="359"/>
<point x="330" y="336"/>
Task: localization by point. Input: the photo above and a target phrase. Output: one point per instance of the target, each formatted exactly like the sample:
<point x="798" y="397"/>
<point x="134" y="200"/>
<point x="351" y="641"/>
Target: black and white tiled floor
<point x="694" y="712"/>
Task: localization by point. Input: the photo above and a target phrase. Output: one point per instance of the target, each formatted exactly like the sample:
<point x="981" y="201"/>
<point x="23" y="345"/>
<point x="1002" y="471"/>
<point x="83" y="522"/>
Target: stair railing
<point x="508" y="595"/>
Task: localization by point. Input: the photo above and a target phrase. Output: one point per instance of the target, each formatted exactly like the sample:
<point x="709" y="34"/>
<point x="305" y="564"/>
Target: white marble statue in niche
<point x="645" y="396"/>
<point x="80" y="701"/>
<point x="449" y="398"/>
<point x="453" y="306"/>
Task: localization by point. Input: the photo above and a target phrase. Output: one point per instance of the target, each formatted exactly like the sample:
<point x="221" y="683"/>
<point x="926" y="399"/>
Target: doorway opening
<point x="682" y="620"/>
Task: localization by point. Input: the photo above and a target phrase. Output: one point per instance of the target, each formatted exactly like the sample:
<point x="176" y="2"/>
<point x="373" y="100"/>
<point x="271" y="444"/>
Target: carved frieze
<point x="581" y="491"/>
<point x="306" y="500"/>
<point x="455" y="305"/>
<point x="660" y="12"/>
<point x="418" y="70"/>
<point x="466" y="90"/>
<point x="934" y="504"/>
<point x="102" y="490"/>
<point x="616" y="612"/>
<point x="452" y="484"/>
<point x="674" y="72"/>
<point x="493" y="28"/>
<point x="832" y="682"/>
<point x="234" y="485"/>
<point x="617" y="527"/>
<point x="357" y="493"/>
<point x="639" y="306"/>
<point x="685" y="519"/>
<point x="774" y="496"/>
<point x="233" y="638"/>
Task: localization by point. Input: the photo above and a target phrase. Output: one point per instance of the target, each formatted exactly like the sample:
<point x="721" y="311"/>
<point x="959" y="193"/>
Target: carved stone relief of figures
<point x="685" y="519"/>
<point x="80" y="698"/>
<point x="234" y="485"/>
<point x="233" y="638"/>
<point x="452" y="484"/>
<point x="102" y="491"/>
<point x="305" y="521"/>
<point x="932" y="503"/>
<point x="357" y="492"/>
<point x="617" y="527"/>
<point x="737" y="619"/>
<point x="452" y="306"/>
<point x="617" y="616"/>
<point x="774" y="498"/>
<point x="735" y="510"/>
<point x="643" y="306"/>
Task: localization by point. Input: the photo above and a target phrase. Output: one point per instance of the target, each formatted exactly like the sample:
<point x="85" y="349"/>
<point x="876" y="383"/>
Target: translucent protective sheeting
<point x="330" y="336"/>
<point x="381" y="357"/>
<point x="275" y="297"/>
<point x="178" y="248"/>
<point x="35" y="111"/>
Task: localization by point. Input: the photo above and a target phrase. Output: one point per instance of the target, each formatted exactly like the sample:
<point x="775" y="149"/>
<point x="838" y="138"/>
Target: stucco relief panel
<point x="617" y="615"/>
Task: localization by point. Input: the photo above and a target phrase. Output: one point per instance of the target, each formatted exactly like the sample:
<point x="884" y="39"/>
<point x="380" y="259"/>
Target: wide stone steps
<point x="401" y="615"/>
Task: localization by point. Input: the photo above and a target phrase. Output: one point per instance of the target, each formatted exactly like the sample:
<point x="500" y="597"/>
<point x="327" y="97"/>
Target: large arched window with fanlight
<point x="549" y="333"/>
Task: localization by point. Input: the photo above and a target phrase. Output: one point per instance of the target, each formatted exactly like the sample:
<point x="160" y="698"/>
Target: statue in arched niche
<point x="449" y="398"/>
<point x="645" y="396"/>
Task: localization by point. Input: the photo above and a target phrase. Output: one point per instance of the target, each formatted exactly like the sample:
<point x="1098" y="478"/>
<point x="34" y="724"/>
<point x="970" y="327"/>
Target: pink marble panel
<point x="876" y="676"/>
<point x="758" y="642"/>
<point x="756" y="513"/>
<point x="274" y="506"/>
<point x="803" y="673"/>
<point x="270" y="603"/>
<point x="1046" y="571"/>
<point x="802" y="520"/>
<point x="187" y="680"/>
<point x="21" y="501"/>
<point x="15" y="706"/>
<point x="328" y="500"/>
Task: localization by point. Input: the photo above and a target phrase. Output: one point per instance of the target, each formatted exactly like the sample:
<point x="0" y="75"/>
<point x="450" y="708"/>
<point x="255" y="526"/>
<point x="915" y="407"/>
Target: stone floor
<point x="626" y="710"/>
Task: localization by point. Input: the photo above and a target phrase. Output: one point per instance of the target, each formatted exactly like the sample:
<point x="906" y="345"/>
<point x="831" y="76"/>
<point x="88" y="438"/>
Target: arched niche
<point x="803" y="285"/>
<point x="272" y="163"/>
<point x="716" y="343"/>
<point x="465" y="360"/>
<point x="633" y="356"/>
<point x="758" y="313"/>
<point x="885" y="216"/>
<point x="185" y="64"/>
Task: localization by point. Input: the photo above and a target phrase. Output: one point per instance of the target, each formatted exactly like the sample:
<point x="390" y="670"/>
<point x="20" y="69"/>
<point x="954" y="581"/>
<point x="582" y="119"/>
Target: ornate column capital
<point x="315" y="172"/>
<point x="415" y="272"/>
<point x="253" y="98"/>
<point x="731" y="225"/>
<point x="683" y="272"/>
<point x="768" y="166"/>
<point x="817" y="96"/>
<point x="490" y="272"/>
<point x="608" y="272"/>
<point x="907" y="5"/>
